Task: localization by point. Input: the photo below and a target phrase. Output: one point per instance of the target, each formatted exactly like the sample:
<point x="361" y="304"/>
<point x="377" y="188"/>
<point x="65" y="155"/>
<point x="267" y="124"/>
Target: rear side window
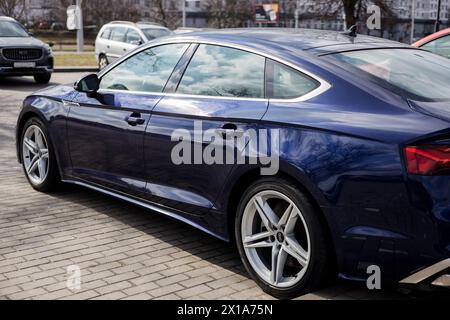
<point x="284" y="82"/>
<point x="106" y="33"/>
<point x="146" y="71"/>
<point x="118" y="34"/>
<point x="416" y="74"/>
<point x="222" y="71"/>
<point x="133" y="36"/>
<point x="439" y="46"/>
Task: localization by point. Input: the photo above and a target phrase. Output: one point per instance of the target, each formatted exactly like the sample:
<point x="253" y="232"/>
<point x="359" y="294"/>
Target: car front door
<point x="221" y="89"/>
<point x="106" y="130"/>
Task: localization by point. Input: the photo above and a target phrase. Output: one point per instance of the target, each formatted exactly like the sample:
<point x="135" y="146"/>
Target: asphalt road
<point x="123" y="252"/>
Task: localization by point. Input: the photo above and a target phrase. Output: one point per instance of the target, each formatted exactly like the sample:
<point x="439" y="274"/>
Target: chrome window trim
<point x="323" y="87"/>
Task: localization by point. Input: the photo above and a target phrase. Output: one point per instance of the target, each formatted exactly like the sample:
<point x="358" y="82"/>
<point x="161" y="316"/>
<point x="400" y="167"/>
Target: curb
<point x="75" y="69"/>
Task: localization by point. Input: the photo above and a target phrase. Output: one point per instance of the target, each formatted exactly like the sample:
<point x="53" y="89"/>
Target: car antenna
<point x="351" y="32"/>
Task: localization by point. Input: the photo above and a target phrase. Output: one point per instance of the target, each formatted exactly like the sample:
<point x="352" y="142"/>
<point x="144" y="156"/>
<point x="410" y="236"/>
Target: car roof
<point x="318" y="42"/>
<point x="431" y="37"/>
<point x="5" y="18"/>
<point x="140" y="25"/>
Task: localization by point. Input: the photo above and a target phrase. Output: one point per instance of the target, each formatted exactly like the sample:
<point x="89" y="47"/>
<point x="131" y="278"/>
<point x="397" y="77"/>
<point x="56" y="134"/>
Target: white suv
<point x="119" y="37"/>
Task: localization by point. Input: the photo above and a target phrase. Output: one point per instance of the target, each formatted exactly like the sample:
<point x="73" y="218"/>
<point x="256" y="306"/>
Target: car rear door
<point x="106" y="130"/>
<point x="221" y="89"/>
<point x="116" y="45"/>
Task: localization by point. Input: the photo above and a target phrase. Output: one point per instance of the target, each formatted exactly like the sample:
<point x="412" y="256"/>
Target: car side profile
<point x="117" y="38"/>
<point x="438" y="43"/>
<point x="362" y="144"/>
<point x="23" y="55"/>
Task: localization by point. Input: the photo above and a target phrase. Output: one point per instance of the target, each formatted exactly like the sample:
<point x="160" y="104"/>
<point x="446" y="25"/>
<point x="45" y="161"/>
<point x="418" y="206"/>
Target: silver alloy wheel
<point x="103" y="62"/>
<point x="275" y="238"/>
<point x="35" y="154"/>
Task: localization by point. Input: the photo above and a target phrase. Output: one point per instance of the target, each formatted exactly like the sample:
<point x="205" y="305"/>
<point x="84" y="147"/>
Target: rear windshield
<point x="416" y="74"/>
<point x="153" y="33"/>
<point x="12" y="29"/>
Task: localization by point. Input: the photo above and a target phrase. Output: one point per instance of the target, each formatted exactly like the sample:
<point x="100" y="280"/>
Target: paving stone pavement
<point x="123" y="252"/>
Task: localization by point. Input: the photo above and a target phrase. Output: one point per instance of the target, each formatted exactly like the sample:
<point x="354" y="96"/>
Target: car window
<point x="153" y="33"/>
<point x="416" y="74"/>
<point x="146" y="71"/>
<point x="439" y="46"/>
<point x="118" y="34"/>
<point x="133" y="36"/>
<point x="284" y="82"/>
<point x="106" y="33"/>
<point x="222" y="71"/>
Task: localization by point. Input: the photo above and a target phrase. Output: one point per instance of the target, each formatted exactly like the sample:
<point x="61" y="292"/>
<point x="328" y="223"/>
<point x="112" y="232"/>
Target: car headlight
<point x="47" y="50"/>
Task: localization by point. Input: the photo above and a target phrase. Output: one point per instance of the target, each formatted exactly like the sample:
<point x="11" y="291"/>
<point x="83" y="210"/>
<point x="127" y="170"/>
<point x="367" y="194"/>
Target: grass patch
<point x="75" y="59"/>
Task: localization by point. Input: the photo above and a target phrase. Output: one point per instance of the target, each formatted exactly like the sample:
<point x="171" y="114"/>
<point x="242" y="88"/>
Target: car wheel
<point x="42" y="78"/>
<point x="281" y="240"/>
<point x="102" y="62"/>
<point x="38" y="160"/>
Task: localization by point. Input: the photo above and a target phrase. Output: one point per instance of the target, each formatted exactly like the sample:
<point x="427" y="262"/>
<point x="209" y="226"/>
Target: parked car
<point x="119" y="37"/>
<point x="438" y="43"/>
<point x="23" y="55"/>
<point x="362" y="142"/>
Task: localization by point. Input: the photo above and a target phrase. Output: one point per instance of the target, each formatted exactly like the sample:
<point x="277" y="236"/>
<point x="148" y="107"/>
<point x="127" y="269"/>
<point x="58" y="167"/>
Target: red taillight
<point x="428" y="160"/>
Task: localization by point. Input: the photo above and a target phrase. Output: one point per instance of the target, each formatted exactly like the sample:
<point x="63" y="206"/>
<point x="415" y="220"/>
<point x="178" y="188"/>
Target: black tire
<point x="42" y="78"/>
<point x="52" y="180"/>
<point x="102" y="61"/>
<point x="320" y="268"/>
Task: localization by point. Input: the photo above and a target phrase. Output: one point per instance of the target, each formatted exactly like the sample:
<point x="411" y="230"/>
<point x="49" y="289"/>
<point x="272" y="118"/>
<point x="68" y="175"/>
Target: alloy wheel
<point x="275" y="238"/>
<point x="35" y="154"/>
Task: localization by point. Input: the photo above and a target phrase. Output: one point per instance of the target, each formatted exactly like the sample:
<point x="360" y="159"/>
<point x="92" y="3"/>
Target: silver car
<point x="119" y="37"/>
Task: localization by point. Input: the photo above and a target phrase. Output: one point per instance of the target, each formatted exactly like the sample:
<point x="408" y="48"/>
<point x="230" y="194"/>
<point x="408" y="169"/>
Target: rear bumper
<point x="436" y="275"/>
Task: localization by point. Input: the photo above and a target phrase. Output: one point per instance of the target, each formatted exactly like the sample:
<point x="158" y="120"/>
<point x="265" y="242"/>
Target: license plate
<point x="24" y="64"/>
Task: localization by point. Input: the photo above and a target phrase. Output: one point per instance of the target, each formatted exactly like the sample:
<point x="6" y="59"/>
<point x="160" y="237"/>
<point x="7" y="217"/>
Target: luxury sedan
<point x="23" y="55"/>
<point x="358" y="142"/>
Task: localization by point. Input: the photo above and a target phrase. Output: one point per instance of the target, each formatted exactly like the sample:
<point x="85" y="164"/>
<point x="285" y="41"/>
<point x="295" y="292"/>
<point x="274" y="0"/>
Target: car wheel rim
<point x="35" y="154"/>
<point x="275" y="238"/>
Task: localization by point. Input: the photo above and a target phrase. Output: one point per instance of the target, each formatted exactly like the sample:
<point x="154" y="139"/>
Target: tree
<point x="165" y="13"/>
<point x="12" y="8"/>
<point x="355" y="9"/>
<point x="229" y="13"/>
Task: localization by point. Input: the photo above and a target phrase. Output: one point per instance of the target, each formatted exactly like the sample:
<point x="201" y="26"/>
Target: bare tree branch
<point x="12" y="8"/>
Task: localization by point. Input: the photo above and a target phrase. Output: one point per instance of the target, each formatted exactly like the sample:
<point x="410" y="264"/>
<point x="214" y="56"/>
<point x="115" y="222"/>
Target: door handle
<point x="229" y="130"/>
<point x="135" y="119"/>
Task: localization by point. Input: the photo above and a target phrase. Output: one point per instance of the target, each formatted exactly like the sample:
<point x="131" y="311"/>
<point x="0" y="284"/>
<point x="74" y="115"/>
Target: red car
<point x="438" y="43"/>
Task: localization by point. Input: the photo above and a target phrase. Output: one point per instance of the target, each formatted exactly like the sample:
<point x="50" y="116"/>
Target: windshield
<point x="12" y="29"/>
<point x="418" y="75"/>
<point x="153" y="33"/>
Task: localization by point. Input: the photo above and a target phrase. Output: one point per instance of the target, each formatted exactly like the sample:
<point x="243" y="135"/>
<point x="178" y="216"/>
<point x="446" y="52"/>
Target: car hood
<point x="20" y="42"/>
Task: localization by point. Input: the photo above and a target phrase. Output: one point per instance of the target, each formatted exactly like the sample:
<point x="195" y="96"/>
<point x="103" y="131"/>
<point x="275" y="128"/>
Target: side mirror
<point x="30" y="33"/>
<point x="89" y="84"/>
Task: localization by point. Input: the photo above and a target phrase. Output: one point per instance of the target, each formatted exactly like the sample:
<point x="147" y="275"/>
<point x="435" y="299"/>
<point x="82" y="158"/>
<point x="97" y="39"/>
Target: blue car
<point x="331" y="151"/>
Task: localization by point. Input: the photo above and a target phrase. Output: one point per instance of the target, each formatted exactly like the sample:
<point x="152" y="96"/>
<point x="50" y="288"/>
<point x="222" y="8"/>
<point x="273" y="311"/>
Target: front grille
<point x="22" y="54"/>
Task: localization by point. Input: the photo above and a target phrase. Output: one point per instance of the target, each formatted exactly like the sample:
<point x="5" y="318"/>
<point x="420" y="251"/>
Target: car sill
<point x="147" y="206"/>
